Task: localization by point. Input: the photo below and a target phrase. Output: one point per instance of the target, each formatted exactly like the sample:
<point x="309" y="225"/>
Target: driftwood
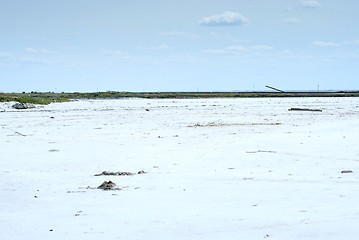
<point x="107" y="173"/>
<point x="19" y="133"/>
<point x="305" y="109"/>
<point x="213" y="124"/>
<point x="261" y="151"/>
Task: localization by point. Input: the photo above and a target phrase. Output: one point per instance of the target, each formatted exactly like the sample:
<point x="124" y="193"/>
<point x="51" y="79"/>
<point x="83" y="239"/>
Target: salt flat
<point x="215" y="169"/>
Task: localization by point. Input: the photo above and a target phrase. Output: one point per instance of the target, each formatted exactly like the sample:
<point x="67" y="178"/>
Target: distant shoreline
<point x="50" y="97"/>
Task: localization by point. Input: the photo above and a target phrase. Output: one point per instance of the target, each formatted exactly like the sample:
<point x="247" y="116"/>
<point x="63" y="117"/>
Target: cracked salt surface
<point x="240" y="175"/>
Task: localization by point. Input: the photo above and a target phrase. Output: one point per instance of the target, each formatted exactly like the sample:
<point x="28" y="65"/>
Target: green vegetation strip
<point x="47" y="98"/>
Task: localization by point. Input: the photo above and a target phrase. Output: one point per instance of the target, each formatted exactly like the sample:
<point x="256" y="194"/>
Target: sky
<point x="172" y="45"/>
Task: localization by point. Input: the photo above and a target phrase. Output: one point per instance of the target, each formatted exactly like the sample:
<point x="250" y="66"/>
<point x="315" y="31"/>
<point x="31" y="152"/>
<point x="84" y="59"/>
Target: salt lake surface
<point x="214" y="169"/>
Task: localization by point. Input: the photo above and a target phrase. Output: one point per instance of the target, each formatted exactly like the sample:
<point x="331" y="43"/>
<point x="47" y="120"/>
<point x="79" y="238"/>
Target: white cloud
<point x="177" y="34"/>
<point x="42" y="56"/>
<point x="5" y="55"/>
<point x="227" y="37"/>
<point x="182" y="58"/>
<point x="290" y="55"/>
<point x="38" y="60"/>
<point x="6" y="59"/>
<point x="260" y="48"/>
<point x="122" y="56"/>
<point x="310" y="4"/>
<point x="70" y="48"/>
<point x="155" y="48"/>
<point x="238" y="50"/>
<point x="35" y="38"/>
<point x="225" y="19"/>
<point x="259" y="53"/>
<point x="292" y="21"/>
<point x="114" y="54"/>
<point x="289" y="9"/>
<point x="36" y="50"/>
<point x="352" y="42"/>
<point x="325" y="44"/>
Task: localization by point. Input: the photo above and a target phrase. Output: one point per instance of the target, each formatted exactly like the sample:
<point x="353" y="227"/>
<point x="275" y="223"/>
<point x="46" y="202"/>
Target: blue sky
<point x="171" y="45"/>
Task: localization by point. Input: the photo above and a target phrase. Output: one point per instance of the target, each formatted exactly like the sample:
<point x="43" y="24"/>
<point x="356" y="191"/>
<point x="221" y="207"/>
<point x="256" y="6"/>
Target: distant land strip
<point x="50" y="97"/>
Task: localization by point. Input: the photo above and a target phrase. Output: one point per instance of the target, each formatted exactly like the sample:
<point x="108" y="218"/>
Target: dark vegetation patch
<point x="107" y="185"/>
<point x="50" y="97"/>
<point x="214" y="124"/>
<point x="34" y="98"/>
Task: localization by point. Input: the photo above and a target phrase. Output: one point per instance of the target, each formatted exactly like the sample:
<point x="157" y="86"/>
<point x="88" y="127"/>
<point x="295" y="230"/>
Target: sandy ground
<point x="215" y="169"/>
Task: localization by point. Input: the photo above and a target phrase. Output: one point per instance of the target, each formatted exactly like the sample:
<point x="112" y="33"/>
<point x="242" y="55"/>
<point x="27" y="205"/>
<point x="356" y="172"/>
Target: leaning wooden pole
<point x="276" y="89"/>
